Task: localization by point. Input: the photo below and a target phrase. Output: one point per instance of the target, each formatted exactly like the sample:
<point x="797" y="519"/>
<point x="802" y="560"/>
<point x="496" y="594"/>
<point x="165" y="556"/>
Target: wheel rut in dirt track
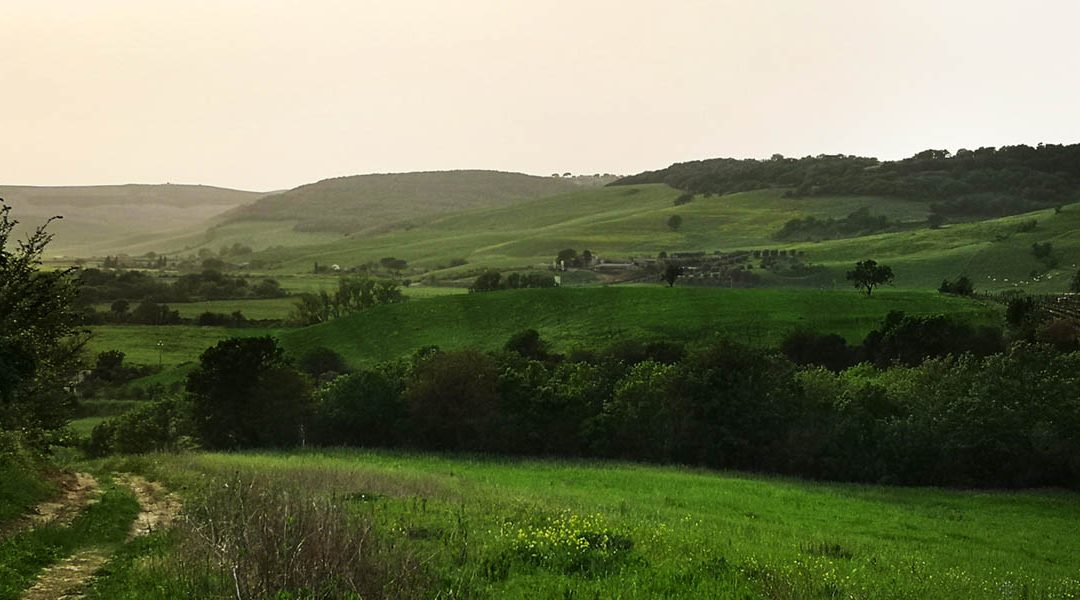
<point x="69" y="578"/>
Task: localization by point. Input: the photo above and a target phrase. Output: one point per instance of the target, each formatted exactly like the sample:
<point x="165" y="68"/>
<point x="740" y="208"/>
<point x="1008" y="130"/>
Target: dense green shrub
<point x="162" y="425"/>
<point x="361" y="409"/>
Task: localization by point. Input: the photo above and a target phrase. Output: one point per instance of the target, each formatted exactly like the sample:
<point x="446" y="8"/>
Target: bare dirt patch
<point x="158" y="507"/>
<point x="67" y="579"/>
<point x="77" y="491"/>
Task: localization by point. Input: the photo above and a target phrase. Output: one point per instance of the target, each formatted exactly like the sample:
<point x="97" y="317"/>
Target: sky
<point x="271" y="94"/>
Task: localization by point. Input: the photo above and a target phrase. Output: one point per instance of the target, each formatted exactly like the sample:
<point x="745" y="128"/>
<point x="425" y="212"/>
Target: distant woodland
<point x="987" y="182"/>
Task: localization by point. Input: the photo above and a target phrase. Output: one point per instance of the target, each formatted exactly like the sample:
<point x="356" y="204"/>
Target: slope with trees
<point x="987" y="182"/>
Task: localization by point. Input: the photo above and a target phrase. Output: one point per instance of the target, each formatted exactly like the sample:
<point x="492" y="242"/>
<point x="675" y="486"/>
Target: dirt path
<point x="68" y="579"/>
<point x="77" y="491"/>
<point x="158" y="507"/>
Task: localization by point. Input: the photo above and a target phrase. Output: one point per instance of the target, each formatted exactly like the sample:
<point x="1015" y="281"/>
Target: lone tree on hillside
<point x="1075" y="285"/>
<point x="674" y="222"/>
<point x="671" y="273"/>
<point x="868" y="275"/>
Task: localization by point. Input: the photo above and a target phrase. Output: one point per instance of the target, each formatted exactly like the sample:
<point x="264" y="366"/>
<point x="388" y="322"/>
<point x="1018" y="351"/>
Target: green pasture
<point x="169" y="345"/>
<point x="595" y="317"/>
<point x="621" y="222"/>
<point x="505" y="528"/>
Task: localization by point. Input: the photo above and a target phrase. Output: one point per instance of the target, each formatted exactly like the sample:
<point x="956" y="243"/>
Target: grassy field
<point x="569" y="318"/>
<point x="597" y="316"/>
<point x="169" y="345"/>
<point x="544" y="529"/>
<point x="631" y="221"/>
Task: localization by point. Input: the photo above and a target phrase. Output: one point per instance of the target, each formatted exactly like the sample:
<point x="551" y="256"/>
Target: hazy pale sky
<point x="269" y="94"/>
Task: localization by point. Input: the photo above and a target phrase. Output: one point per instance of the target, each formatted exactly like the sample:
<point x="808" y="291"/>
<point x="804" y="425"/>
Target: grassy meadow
<point x="169" y="345"/>
<point x="491" y="528"/>
<point x="592" y="317"/>
<point x="626" y="221"/>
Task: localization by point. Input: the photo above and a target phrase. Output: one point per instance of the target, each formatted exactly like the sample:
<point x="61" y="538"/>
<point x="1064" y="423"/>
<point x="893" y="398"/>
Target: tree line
<point x="97" y="286"/>
<point x="986" y="182"/>
<point x="924" y="401"/>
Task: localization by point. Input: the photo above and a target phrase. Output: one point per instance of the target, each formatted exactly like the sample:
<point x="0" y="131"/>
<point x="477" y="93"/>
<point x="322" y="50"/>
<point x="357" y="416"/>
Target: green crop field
<point x="596" y="316"/>
<point x="170" y="345"/>
<point x="545" y="529"/>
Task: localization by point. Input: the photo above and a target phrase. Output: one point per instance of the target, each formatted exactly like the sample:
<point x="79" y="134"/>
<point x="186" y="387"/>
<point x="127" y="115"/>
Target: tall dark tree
<point x="39" y="340"/>
<point x="671" y="272"/>
<point x="674" y="222"/>
<point x="246" y="394"/>
<point x="868" y="274"/>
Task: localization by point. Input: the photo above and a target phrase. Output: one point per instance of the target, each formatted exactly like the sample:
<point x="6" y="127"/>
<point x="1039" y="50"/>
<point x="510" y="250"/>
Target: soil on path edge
<point x="68" y="579"/>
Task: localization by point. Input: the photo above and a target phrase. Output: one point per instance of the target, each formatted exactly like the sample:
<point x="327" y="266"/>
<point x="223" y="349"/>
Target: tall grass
<point x="255" y="536"/>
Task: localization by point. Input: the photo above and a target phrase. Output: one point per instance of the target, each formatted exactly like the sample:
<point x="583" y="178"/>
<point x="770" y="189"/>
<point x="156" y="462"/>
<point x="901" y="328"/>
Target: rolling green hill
<point x="110" y="218"/>
<point x="592" y="317"/>
<point x="366" y="203"/>
<point x="614" y="221"/>
<point x="625" y="221"/>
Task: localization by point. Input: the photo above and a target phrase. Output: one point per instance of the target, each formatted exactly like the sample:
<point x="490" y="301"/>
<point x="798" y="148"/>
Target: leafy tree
<point x="453" y="400"/>
<point x="961" y="287"/>
<point x="567" y="257"/>
<point x="643" y="412"/>
<point x="246" y="394"/>
<point x="151" y="313"/>
<point x="1074" y="286"/>
<point x="320" y="361"/>
<point x="354" y="294"/>
<point x="868" y="274"/>
<point x="109" y="366"/>
<point x="528" y="344"/>
<point x="674" y="222"/>
<point x="120" y="308"/>
<point x="488" y="281"/>
<point x="827" y="350"/>
<point x="671" y="272"/>
<point x="39" y="340"/>
<point x="935" y="220"/>
<point x="155" y="426"/>
<point x="361" y="409"/>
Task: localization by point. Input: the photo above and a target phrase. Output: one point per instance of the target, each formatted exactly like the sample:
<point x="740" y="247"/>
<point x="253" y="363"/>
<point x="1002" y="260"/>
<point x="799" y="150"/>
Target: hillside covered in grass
<point x="365" y="203"/>
<point x="616" y="223"/>
<point x="103" y="218"/>
<point x="598" y="316"/>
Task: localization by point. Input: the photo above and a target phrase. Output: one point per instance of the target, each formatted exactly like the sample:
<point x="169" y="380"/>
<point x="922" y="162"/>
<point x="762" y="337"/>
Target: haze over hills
<point x="366" y="203"/>
<point x="935" y="215"/>
<point x="98" y="218"/>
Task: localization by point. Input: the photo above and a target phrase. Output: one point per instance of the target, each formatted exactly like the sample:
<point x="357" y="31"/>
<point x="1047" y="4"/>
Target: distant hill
<point x="97" y="219"/>
<point x="366" y="203"/>
<point x="620" y="222"/>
